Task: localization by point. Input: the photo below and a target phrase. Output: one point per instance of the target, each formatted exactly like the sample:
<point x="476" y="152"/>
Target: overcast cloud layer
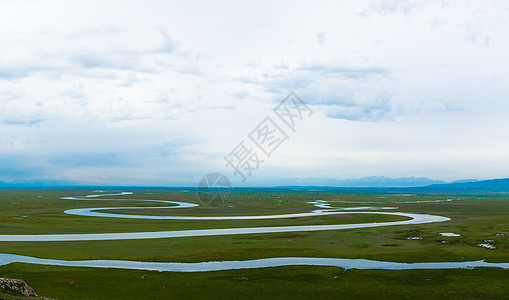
<point x="157" y="93"/>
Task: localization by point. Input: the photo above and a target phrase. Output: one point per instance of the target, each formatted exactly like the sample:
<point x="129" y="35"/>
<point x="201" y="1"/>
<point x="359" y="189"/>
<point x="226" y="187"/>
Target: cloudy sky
<point x="159" y="92"/>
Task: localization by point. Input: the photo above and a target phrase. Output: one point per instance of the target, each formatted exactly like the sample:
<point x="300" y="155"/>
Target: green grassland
<point x="475" y="217"/>
<point x="270" y="283"/>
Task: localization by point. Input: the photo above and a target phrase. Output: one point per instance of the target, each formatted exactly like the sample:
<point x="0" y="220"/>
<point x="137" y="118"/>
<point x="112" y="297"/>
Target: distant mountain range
<point x="493" y="185"/>
<point x="407" y="184"/>
<point x="460" y="186"/>
<point x="40" y="184"/>
<point x="372" y="181"/>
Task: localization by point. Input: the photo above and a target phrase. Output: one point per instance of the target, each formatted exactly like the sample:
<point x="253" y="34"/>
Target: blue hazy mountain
<point x="40" y="183"/>
<point x="417" y="184"/>
<point x="372" y="181"/>
<point x="492" y="185"/>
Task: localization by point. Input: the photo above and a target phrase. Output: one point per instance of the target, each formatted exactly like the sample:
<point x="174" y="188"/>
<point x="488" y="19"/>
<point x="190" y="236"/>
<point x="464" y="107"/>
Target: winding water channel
<point x="227" y="265"/>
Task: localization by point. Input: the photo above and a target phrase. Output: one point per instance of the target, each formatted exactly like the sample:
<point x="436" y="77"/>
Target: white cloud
<point x="158" y="92"/>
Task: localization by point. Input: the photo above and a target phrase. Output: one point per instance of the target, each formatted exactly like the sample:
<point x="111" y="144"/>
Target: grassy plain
<point x="476" y="217"/>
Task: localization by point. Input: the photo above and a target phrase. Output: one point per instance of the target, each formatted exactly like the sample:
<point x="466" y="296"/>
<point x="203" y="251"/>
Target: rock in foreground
<point x="16" y="286"/>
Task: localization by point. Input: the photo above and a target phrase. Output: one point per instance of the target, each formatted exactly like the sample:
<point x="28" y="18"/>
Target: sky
<point x="163" y="92"/>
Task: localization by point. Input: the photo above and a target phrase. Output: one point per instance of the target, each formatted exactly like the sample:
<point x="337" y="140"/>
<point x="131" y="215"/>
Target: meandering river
<point x="94" y="212"/>
<point x="227" y="265"/>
